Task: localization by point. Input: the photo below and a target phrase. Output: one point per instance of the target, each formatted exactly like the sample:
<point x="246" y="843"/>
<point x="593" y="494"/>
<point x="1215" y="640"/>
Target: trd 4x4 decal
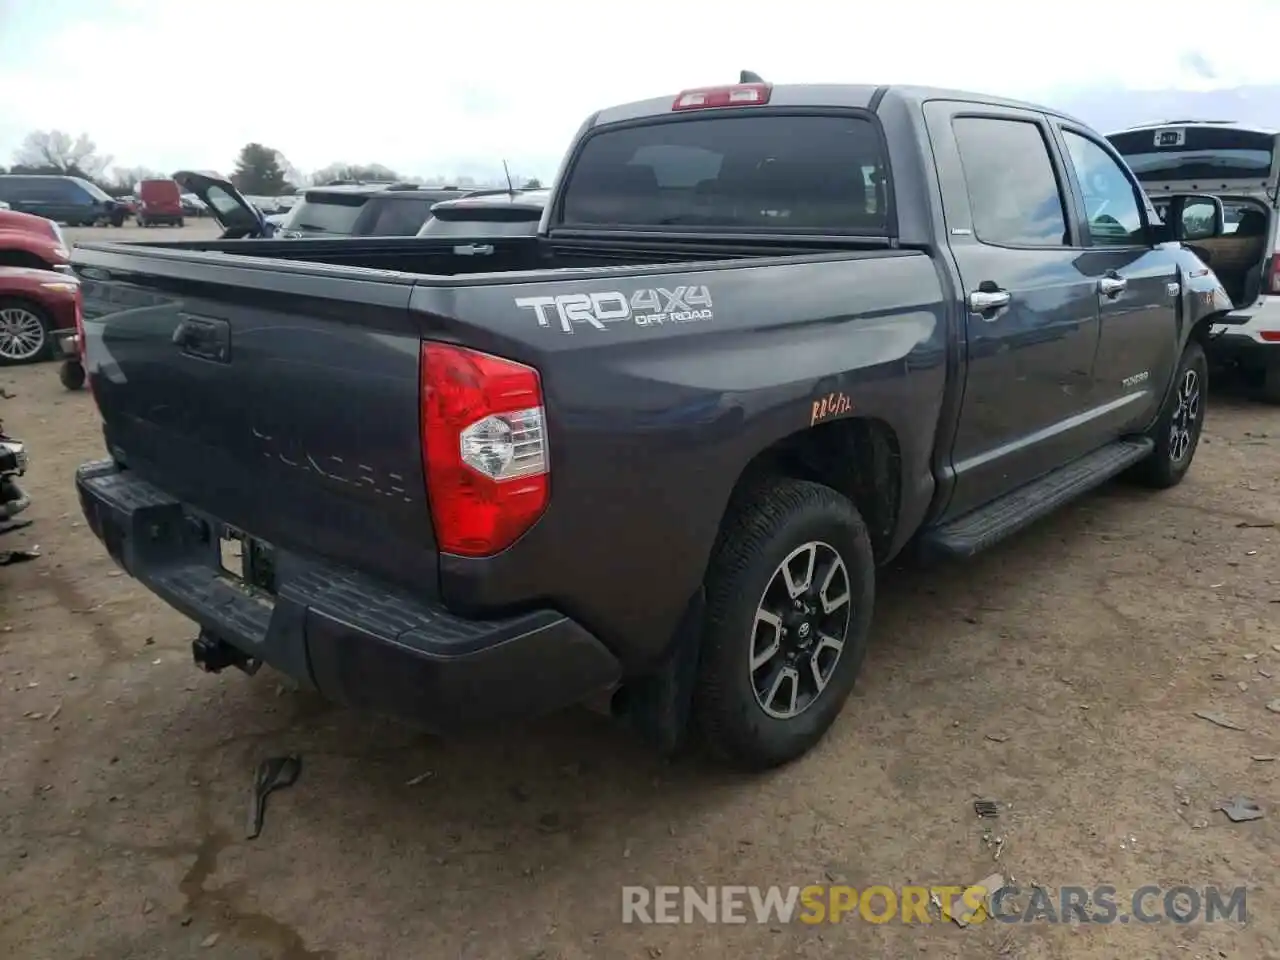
<point x="644" y="308"/>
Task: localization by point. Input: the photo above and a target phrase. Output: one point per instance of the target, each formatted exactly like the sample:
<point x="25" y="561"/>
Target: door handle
<point x="986" y="301"/>
<point x="1112" y="286"/>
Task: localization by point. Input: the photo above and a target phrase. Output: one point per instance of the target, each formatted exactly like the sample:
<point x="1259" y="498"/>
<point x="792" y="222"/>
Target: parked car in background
<point x="1240" y="166"/>
<point x="161" y="203"/>
<point x="503" y="213"/>
<point x="338" y="210"/>
<point x="34" y="306"/>
<point x="70" y="200"/>
<point x="193" y="206"/>
<point x="31" y="241"/>
<point x="4" y="205"/>
<point x="366" y="210"/>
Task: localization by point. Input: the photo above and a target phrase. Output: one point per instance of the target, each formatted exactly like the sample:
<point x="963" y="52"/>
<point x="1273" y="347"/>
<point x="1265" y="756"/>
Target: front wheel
<point x="790" y="590"/>
<point x="1177" y="431"/>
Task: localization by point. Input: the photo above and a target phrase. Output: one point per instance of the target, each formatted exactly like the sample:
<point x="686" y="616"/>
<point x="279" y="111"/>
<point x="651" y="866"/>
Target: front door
<point x="1031" y="315"/>
<point x="1138" y="285"/>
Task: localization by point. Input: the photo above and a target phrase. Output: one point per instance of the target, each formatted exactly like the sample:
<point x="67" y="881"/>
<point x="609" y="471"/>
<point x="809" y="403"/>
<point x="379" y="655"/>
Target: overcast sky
<point x="170" y="84"/>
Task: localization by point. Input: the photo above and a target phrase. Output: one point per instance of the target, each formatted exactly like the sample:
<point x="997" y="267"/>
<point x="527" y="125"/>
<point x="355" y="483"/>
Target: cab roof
<point x="856" y="96"/>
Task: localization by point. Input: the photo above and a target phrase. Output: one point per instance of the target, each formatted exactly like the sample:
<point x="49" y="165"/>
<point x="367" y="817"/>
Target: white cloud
<point x="429" y="88"/>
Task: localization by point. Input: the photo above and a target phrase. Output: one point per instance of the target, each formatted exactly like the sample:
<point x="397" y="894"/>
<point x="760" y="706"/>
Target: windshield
<point x="394" y="216"/>
<point x="325" y="213"/>
<point x="93" y="189"/>
<point x="774" y="172"/>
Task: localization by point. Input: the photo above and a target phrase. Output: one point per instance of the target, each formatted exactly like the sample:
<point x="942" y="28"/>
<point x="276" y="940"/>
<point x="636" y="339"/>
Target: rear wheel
<point x="72" y="374"/>
<point x="789" y="598"/>
<point x="180" y="223"/>
<point x="24" y="333"/>
<point x="1177" y="432"/>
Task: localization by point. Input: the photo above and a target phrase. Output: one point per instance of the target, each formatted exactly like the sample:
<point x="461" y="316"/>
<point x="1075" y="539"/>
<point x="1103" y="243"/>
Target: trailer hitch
<point x="212" y="654"/>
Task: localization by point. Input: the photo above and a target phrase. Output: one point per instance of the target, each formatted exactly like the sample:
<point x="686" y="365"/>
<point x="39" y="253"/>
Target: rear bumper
<point x="356" y="640"/>
<point x="1252" y="335"/>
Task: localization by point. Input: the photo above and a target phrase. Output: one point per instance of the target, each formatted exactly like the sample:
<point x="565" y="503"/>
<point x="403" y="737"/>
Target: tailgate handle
<point x="204" y="337"/>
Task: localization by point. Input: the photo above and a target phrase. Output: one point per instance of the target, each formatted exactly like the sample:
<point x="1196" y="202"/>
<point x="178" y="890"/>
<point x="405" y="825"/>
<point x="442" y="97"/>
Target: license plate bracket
<point x="247" y="560"/>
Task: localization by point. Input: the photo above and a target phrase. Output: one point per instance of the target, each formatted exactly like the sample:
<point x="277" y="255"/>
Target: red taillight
<point x="484" y="448"/>
<point x="1272" y="287"/>
<point x="737" y="95"/>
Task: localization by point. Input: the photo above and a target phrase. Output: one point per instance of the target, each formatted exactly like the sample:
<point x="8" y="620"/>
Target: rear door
<point x="1032" y="314"/>
<point x="1139" y="287"/>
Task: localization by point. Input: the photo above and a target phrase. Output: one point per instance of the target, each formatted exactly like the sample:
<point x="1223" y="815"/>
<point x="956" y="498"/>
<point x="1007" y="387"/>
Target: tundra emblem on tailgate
<point x="644" y="308"/>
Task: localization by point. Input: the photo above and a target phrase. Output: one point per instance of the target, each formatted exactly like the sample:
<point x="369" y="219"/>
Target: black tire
<point x="35" y="310"/>
<point x="763" y="528"/>
<point x="180" y="224"/>
<point x="1269" y="383"/>
<point x="72" y="374"/>
<point x="1173" y="454"/>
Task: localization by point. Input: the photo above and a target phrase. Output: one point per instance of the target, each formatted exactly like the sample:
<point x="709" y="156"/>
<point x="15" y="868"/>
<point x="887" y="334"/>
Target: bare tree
<point x="126" y="179"/>
<point x="57" y="150"/>
<point x="353" y="171"/>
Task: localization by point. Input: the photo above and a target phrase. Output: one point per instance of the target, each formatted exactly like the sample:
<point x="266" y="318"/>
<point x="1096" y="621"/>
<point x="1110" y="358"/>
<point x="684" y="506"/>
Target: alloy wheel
<point x="799" y="630"/>
<point x="22" y="334"/>
<point x="1185" y="416"/>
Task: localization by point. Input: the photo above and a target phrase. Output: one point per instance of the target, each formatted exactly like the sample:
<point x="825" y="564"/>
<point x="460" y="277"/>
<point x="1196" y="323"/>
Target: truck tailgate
<point x="256" y="397"/>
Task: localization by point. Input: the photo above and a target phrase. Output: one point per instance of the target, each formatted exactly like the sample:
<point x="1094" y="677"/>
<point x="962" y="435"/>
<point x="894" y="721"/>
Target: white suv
<point x="1241" y="166"/>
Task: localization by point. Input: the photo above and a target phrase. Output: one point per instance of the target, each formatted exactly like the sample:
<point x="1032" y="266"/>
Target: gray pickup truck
<point x="765" y="338"/>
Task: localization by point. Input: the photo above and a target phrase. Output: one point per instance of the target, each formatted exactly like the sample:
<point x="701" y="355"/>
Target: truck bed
<point x="307" y="433"/>
<point x="455" y="257"/>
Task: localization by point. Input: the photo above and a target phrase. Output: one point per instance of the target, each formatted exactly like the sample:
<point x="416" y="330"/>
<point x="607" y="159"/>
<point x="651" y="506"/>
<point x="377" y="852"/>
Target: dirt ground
<point x="1060" y="673"/>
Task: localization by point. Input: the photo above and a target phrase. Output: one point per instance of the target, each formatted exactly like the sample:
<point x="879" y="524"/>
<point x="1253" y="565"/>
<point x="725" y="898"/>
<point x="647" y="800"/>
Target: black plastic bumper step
<point x="988" y="525"/>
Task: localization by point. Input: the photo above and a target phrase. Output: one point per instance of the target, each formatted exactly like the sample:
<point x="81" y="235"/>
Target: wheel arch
<point x="859" y="457"/>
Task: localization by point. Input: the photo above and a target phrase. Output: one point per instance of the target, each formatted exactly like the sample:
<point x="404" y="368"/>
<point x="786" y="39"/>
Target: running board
<point x="988" y="525"/>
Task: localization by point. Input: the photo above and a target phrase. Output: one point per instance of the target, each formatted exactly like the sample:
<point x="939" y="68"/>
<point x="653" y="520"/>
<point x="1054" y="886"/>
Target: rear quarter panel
<point x="652" y="422"/>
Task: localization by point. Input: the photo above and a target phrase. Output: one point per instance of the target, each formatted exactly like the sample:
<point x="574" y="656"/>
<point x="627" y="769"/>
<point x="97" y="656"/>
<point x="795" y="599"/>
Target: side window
<point x="1110" y="201"/>
<point x="1013" y="192"/>
<point x="42" y="190"/>
<point x="68" y="191"/>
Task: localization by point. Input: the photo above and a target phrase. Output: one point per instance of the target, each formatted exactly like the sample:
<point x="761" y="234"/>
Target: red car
<point x="35" y="307"/>
<point x="30" y="241"/>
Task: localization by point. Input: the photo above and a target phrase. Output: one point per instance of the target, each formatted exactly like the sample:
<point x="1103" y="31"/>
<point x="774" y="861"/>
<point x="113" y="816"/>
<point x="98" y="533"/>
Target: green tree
<point x="260" y="171"/>
<point x="533" y="183"/>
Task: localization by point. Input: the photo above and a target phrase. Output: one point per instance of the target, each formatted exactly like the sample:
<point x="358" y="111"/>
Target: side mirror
<point x="1194" y="217"/>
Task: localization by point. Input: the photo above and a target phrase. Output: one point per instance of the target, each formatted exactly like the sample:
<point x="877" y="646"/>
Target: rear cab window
<point x="764" y="172"/>
<point x="392" y="216"/>
<point x="327" y="212"/>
